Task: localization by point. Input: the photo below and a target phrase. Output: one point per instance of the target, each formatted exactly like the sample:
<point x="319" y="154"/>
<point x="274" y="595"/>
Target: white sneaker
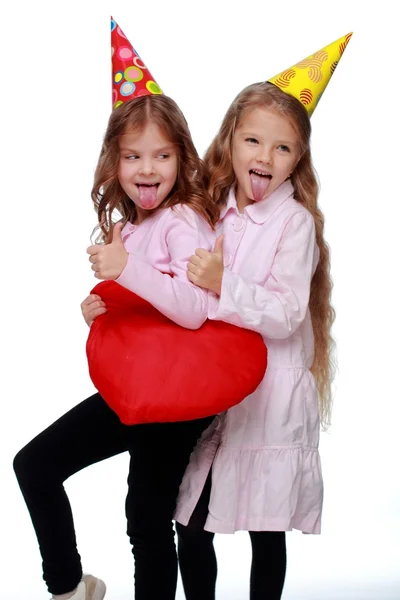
<point x="90" y="588"/>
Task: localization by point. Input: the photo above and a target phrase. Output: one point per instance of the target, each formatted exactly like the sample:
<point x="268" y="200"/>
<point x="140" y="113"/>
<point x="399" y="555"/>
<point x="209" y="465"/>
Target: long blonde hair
<point x="218" y="159"/>
<point x="191" y="184"/>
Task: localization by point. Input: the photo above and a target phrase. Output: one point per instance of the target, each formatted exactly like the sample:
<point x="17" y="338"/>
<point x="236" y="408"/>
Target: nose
<point x="264" y="155"/>
<point x="146" y="167"/>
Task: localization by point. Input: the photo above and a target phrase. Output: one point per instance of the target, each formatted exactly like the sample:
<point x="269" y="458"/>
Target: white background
<point x="55" y="103"/>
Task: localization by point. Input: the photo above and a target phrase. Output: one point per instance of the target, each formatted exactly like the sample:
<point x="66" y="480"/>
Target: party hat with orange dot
<point x="308" y="79"/>
<point x="130" y="76"/>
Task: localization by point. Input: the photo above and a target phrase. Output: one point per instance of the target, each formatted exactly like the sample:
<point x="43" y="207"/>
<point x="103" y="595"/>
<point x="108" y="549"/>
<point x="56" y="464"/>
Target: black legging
<point x="198" y="563"/>
<point x="87" y="434"/>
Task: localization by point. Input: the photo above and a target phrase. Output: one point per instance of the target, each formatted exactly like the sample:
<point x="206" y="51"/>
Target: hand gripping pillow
<point x="149" y="369"/>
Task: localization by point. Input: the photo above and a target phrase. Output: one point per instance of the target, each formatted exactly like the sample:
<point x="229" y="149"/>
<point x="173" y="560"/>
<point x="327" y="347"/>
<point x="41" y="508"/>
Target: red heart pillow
<point x="148" y="369"/>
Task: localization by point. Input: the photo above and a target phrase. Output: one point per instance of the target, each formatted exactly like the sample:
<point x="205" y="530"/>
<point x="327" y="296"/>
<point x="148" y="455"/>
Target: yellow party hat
<point x="308" y="79"/>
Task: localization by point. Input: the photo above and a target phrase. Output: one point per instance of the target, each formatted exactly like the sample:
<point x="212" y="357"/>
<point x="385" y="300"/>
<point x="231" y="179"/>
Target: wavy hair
<point x="218" y="159"/>
<point x="192" y="179"/>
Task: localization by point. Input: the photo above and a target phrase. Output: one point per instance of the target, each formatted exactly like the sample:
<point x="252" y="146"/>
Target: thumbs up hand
<point x="206" y="269"/>
<point x="108" y="261"/>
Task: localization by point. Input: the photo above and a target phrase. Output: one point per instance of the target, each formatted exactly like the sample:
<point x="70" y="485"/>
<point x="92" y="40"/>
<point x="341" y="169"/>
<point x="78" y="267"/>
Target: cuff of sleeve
<point x="127" y="277"/>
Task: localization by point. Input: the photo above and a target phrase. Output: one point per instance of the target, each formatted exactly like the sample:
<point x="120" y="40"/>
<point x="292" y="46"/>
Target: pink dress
<point x="266" y="473"/>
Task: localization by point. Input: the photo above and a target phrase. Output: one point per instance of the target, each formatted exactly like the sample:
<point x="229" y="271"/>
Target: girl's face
<point x="148" y="167"/>
<point x="265" y="151"/>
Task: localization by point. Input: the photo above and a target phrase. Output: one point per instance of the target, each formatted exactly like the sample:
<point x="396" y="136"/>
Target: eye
<point x="163" y="156"/>
<point x="251" y="140"/>
<point x="284" y="148"/>
<point x="131" y="156"/>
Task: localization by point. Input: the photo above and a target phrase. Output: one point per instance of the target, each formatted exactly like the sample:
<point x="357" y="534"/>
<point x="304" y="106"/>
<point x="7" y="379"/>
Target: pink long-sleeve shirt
<point x="266" y="473"/>
<point x="159" y="250"/>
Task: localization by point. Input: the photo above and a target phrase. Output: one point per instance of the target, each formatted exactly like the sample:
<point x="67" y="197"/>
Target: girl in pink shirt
<point x="258" y="468"/>
<point x="150" y="172"/>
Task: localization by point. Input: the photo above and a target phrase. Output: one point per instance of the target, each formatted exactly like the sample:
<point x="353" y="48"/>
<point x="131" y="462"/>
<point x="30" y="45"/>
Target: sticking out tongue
<point x="148" y="195"/>
<point x="259" y="185"/>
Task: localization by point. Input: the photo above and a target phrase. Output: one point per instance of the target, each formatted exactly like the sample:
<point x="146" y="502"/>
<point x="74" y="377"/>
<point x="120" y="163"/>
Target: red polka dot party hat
<point x="130" y="76"/>
<point x="308" y="79"/>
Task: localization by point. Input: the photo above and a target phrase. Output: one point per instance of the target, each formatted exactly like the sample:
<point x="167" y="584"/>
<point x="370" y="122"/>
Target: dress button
<point x="238" y="226"/>
<point x="227" y="260"/>
<point x="129" y="230"/>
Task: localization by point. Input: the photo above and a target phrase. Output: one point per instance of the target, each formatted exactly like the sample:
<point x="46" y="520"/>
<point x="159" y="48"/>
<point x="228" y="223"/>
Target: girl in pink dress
<point x="258" y="468"/>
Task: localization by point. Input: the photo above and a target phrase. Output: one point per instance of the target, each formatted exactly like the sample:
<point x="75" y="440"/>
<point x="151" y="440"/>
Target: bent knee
<point x="20" y="461"/>
<point x="29" y="463"/>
